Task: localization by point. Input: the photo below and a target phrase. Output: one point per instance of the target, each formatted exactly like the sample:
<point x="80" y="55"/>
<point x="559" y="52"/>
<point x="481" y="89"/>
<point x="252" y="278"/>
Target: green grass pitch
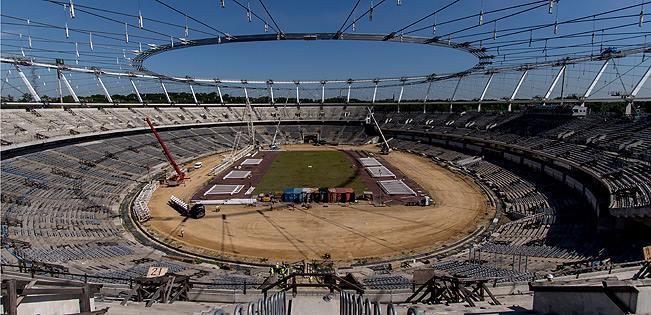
<point x="328" y="169"/>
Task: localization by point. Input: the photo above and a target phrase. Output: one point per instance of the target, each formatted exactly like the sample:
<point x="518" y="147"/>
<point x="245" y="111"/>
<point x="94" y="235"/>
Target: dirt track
<point x="346" y="233"/>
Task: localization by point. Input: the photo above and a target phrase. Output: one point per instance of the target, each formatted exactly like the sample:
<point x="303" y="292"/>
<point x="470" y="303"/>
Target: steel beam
<point x="199" y="81"/>
<point x="595" y="80"/>
<point x="429" y="88"/>
<point x="402" y="90"/>
<point x="636" y="89"/>
<point x="556" y="79"/>
<point x="473" y="103"/>
<point x="135" y="89"/>
<point x="483" y="93"/>
<point x="271" y="93"/>
<point x="298" y="97"/>
<point x="246" y="96"/>
<point x="29" y="86"/>
<point x="643" y="80"/>
<point x="69" y="87"/>
<point x="194" y="96"/>
<point x="454" y="93"/>
<point x="169" y="100"/>
<point x="348" y="95"/>
<point x="221" y="99"/>
<point x="374" y="93"/>
<point x="106" y="92"/>
<point x="517" y="87"/>
<point x="323" y="83"/>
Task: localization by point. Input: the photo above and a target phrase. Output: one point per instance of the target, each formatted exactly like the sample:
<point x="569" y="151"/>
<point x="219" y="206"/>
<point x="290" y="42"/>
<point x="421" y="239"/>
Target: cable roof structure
<point x="522" y="51"/>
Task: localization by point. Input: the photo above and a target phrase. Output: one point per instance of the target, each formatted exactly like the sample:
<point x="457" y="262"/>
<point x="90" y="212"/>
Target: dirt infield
<point x="360" y="231"/>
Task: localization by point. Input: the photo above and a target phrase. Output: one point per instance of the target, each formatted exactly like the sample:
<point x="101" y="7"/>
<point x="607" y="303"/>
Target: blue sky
<point x="284" y="59"/>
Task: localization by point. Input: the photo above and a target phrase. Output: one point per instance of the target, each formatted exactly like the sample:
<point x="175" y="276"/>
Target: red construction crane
<point x="180" y="175"/>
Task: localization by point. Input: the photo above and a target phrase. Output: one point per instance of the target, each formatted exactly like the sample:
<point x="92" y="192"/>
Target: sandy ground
<point x="359" y="231"/>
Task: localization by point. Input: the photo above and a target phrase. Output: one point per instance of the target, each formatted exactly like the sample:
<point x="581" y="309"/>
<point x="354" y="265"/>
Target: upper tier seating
<point x="614" y="149"/>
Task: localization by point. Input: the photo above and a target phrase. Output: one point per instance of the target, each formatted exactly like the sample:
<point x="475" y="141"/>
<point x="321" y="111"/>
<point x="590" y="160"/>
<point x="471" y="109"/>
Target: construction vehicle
<point x="192" y="210"/>
<point x="180" y="176"/>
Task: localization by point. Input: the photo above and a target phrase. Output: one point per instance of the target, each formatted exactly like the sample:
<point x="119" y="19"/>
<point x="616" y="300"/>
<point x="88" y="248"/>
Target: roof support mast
<point x="219" y="91"/>
<point x="429" y="88"/>
<point x="402" y="91"/>
<point x="350" y="82"/>
<point x="162" y="85"/>
<point x="323" y="83"/>
<point x="595" y="81"/>
<point x="517" y="88"/>
<point x="636" y="89"/>
<point x="483" y="93"/>
<point x="270" y="84"/>
<point x="560" y="73"/>
<point x="135" y="89"/>
<point x="454" y="94"/>
<point x="249" y="109"/>
<point x="68" y="86"/>
<point x="194" y="96"/>
<point x="375" y="90"/>
<point x="31" y="89"/>
<point x="106" y="92"/>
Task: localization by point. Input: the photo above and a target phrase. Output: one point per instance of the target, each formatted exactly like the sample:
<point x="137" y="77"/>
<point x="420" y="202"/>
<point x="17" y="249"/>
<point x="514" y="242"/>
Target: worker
<point x="181" y="232"/>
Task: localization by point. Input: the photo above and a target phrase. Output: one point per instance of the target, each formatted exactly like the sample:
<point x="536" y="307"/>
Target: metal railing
<point x="275" y="304"/>
<point x="357" y="304"/>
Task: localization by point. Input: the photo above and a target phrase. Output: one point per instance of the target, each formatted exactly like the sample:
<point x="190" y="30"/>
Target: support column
<point x="402" y="90"/>
<point x="60" y="88"/>
<point x="246" y="95"/>
<point x="350" y="82"/>
<point x="69" y="87"/>
<point x="643" y="80"/>
<point x="106" y="92"/>
<point x="454" y="93"/>
<point x="29" y="86"/>
<point x="298" y="97"/>
<point x="636" y="89"/>
<point x="375" y="91"/>
<point x="595" y="81"/>
<point x="194" y="96"/>
<point x="517" y="88"/>
<point x="560" y="73"/>
<point x="221" y="98"/>
<point x="250" y="110"/>
<point x="429" y="88"/>
<point x="270" y="86"/>
<point x="167" y="96"/>
<point x="323" y="83"/>
<point x="483" y="93"/>
<point x="135" y="89"/>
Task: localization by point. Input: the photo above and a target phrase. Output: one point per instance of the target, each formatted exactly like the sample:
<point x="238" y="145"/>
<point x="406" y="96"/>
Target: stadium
<point x="223" y="157"/>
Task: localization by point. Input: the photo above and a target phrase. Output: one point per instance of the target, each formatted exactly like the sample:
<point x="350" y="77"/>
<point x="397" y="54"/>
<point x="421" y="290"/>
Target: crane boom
<point x="180" y="176"/>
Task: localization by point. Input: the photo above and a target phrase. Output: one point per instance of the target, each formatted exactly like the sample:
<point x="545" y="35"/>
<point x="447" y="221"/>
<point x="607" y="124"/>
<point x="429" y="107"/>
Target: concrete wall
<point x="591" y="301"/>
<point x="31" y="306"/>
<point x="571" y="303"/>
